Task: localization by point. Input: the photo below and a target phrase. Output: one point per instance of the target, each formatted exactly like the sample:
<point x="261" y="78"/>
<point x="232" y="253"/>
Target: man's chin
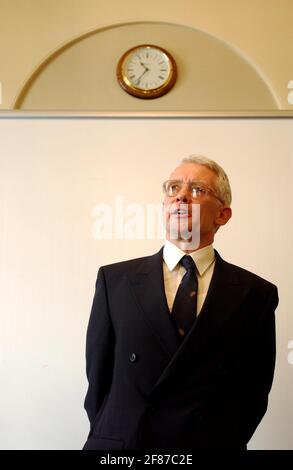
<point x="181" y="231"/>
<point x="184" y="239"/>
<point x="185" y="245"/>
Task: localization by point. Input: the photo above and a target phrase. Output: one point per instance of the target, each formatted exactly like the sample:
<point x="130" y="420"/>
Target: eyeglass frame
<point x="189" y="183"/>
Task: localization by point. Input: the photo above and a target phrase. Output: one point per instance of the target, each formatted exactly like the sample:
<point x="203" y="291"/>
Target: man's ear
<point x="225" y="214"/>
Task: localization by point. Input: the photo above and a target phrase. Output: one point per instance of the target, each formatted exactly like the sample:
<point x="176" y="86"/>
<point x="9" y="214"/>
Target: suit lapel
<point x="147" y="285"/>
<point x="225" y="296"/>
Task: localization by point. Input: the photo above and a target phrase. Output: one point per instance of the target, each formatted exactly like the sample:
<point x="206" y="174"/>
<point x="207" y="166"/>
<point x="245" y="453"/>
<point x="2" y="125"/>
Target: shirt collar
<point x="203" y="258"/>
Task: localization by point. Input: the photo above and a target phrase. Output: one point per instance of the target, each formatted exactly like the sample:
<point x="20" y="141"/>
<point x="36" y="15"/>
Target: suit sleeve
<point x="99" y="350"/>
<point x="242" y="408"/>
<point x="263" y="356"/>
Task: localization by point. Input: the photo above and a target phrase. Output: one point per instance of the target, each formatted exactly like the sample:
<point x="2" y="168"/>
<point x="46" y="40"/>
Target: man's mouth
<point x="181" y="212"/>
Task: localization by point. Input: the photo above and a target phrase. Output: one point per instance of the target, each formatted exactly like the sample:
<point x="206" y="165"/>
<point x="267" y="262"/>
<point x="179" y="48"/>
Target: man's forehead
<point x="190" y="171"/>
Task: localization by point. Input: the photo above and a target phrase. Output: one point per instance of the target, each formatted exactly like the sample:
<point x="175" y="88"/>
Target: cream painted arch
<point x="212" y="74"/>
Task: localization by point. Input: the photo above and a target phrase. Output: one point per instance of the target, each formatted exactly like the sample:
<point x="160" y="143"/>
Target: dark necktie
<point x="184" y="307"/>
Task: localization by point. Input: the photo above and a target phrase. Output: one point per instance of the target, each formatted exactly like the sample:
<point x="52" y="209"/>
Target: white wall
<point x="53" y="172"/>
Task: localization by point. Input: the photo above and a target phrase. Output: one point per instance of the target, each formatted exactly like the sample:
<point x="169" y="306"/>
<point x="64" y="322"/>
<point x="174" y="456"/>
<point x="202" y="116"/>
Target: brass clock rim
<point x="154" y="92"/>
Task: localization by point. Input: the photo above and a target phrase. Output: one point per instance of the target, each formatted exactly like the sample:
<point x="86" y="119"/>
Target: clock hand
<point x="139" y="78"/>
<point x="143" y="65"/>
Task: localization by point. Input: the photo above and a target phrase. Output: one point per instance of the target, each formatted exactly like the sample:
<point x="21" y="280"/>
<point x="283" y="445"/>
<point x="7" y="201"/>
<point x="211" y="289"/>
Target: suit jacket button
<point x="132" y="357"/>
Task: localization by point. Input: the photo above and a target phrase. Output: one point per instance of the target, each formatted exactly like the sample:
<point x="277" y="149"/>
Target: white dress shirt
<point x="174" y="272"/>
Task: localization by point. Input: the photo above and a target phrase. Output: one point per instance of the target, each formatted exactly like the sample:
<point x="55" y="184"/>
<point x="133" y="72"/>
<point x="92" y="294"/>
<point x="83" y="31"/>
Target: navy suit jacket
<point x="149" y="391"/>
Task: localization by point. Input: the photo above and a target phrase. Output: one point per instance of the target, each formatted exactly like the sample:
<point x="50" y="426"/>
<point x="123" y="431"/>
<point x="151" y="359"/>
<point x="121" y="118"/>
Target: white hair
<point x="223" y="186"/>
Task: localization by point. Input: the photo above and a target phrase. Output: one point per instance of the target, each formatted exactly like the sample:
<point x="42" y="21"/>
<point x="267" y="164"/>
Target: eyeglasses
<point x="197" y="189"/>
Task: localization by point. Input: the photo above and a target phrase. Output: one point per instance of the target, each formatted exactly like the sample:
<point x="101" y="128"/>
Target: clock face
<point x="146" y="71"/>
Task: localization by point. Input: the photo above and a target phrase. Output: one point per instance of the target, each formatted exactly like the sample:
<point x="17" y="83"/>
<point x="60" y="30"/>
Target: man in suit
<point x="181" y="344"/>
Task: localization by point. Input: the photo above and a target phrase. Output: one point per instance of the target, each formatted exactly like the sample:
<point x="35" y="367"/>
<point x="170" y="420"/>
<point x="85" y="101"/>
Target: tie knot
<point x="188" y="263"/>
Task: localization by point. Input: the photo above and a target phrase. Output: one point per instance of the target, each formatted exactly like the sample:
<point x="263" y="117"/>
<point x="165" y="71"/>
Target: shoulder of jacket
<point x="122" y="265"/>
<point x="247" y="276"/>
<point x="131" y="264"/>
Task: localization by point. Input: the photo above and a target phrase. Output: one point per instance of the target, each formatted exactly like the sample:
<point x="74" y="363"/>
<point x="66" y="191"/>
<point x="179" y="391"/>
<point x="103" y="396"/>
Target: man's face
<point x="213" y="213"/>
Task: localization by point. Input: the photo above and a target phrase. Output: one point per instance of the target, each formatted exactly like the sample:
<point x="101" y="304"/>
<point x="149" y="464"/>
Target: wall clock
<point x="147" y="71"/>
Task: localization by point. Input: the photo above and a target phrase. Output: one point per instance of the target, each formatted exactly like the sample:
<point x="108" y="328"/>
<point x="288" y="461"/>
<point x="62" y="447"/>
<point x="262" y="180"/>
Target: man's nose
<point x="184" y="194"/>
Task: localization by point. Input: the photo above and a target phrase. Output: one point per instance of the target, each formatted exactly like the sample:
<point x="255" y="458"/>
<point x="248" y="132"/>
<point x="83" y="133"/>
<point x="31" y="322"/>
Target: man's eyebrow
<point x="189" y="181"/>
